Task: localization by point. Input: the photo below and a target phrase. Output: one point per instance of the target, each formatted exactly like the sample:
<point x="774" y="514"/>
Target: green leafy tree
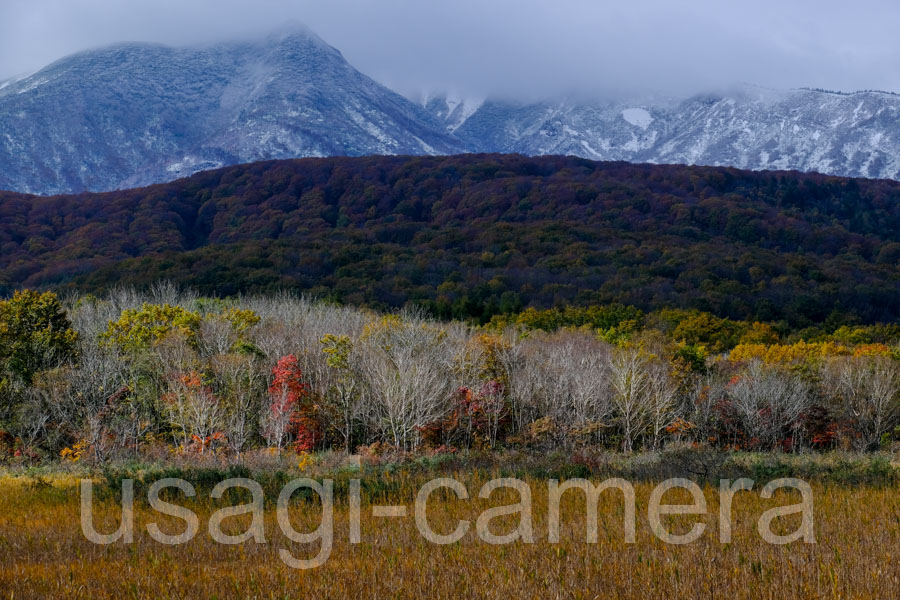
<point x="138" y="329"/>
<point x="241" y="319"/>
<point x="702" y="328"/>
<point x="35" y="334"/>
<point x="343" y="390"/>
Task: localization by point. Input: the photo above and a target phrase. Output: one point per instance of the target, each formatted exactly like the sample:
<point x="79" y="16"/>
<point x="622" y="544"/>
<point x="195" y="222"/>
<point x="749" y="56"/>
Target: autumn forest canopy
<point x="170" y="373"/>
<point x="450" y="303"/>
<point x="474" y="237"/>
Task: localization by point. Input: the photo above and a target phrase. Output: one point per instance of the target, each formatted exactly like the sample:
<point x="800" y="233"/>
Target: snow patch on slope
<point x="638" y="117"/>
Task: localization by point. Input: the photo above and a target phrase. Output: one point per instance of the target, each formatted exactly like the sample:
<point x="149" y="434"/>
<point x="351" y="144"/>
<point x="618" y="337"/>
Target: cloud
<point x="513" y="47"/>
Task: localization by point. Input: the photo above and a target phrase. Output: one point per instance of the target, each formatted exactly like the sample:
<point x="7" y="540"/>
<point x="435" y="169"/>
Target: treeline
<point x="174" y="373"/>
<point x="471" y="237"/>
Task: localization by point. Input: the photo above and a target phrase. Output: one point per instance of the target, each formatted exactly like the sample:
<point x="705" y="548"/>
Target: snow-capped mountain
<point x="855" y="134"/>
<point x="134" y="114"/>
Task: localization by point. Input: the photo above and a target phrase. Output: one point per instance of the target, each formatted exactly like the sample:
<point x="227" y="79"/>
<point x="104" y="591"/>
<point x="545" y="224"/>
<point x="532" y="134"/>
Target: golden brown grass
<point x="43" y="553"/>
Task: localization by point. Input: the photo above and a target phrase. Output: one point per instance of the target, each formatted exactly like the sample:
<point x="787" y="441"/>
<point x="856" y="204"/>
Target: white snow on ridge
<point x="637" y="117"/>
<point x="467" y="106"/>
<point x="459" y="109"/>
<point x="31" y="85"/>
<point x="5" y="83"/>
<point x="263" y="100"/>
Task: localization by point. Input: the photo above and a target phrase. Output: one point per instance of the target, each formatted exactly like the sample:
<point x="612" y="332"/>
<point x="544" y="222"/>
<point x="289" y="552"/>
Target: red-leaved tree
<point x="290" y="410"/>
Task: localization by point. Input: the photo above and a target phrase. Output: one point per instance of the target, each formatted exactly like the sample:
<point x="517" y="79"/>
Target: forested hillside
<point x="477" y="235"/>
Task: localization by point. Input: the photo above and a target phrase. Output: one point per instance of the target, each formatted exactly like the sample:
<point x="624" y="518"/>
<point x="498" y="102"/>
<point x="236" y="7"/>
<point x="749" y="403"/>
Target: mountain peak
<point x="293" y="29"/>
<point x="134" y="114"/>
<point x="296" y="41"/>
<point x="137" y="113"/>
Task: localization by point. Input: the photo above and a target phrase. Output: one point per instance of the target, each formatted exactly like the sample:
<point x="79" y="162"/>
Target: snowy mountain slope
<point x="134" y="114"/>
<point x="451" y="110"/>
<point x="843" y="134"/>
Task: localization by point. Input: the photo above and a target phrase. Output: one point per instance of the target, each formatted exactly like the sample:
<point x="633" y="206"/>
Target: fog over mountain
<point x="133" y="114"/>
<point x="138" y="113"/>
<point x="515" y="48"/>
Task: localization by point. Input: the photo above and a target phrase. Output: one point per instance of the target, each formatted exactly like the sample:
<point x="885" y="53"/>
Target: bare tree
<point x="90" y="402"/>
<point x="769" y="402"/>
<point x="629" y="378"/>
<point x="662" y="395"/>
<point x="562" y="376"/>
<point x="367" y="377"/>
<point x="192" y="408"/>
<point x="241" y="383"/>
<point x="91" y="316"/>
<point x="216" y="336"/>
<point x="537" y="387"/>
<point x="517" y="359"/>
<point x="408" y="376"/>
<point x="167" y="292"/>
<point x="866" y="390"/>
<point x="702" y="402"/>
<point x="584" y="365"/>
<point x="32" y="415"/>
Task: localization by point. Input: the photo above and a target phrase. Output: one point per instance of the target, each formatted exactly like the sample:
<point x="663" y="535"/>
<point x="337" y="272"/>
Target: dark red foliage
<point x="476" y="417"/>
<point x="7" y="443"/>
<point x="290" y="395"/>
<point x="491" y="232"/>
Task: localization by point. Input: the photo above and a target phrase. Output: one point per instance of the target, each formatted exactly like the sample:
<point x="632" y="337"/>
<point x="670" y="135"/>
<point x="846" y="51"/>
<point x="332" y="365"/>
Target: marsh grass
<point x="857" y="528"/>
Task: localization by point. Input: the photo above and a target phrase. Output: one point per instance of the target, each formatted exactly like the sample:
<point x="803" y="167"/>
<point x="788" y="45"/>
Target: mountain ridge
<point x="133" y="114"/>
<point x="846" y="134"/>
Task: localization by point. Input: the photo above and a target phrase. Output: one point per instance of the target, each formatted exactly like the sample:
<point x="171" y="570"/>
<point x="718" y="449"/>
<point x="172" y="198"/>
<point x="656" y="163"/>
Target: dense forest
<point x="170" y="373"/>
<point x="471" y="237"/>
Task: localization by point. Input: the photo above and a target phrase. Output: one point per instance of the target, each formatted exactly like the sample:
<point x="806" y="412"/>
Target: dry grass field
<point x="857" y="555"/>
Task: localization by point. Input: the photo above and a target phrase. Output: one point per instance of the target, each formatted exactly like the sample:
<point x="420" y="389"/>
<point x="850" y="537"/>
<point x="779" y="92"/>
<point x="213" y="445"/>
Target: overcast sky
<point x="479" y="47"/>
